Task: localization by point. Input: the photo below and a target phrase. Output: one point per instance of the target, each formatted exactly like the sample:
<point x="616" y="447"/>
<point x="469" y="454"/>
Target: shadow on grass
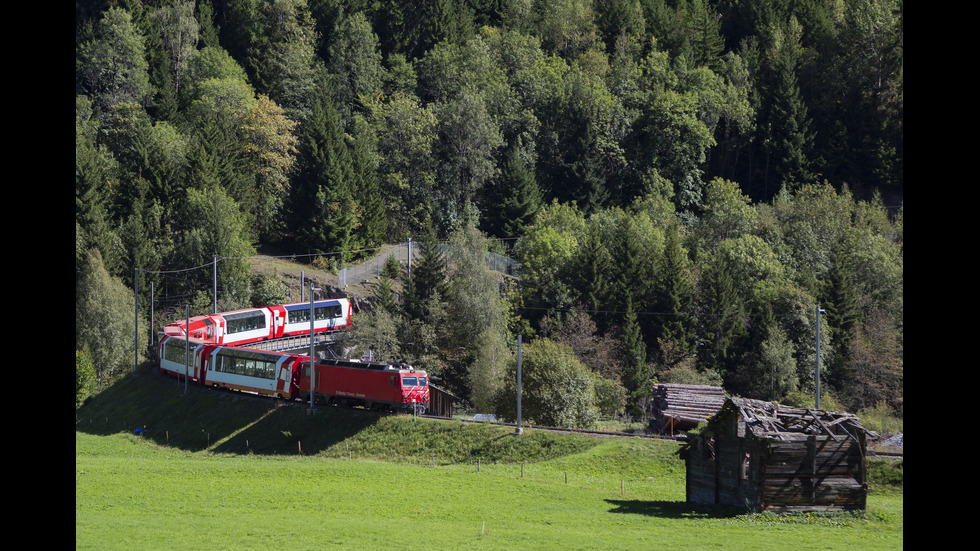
<point x="194" y="418"/>
<point x="672" y="509"/>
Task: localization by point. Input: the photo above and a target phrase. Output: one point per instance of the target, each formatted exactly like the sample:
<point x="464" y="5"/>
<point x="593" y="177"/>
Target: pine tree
<point x="675" y="292"/>
<point x="594" y="267"/>
<point x="427" y="280"/>
<point x="636" y="373"/>
<point x="323" y="199"/>
<point x="372" y="224"/>
<point x="790" y="136"/>
<point x="704" y="35"/>
<point x="512" y="202"/>
<point x="723" y="320"/>
<point x="839" y="299"/>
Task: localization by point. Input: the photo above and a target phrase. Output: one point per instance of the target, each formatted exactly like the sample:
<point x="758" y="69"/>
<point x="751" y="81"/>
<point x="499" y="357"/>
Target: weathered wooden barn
<point x="763" y="456"/>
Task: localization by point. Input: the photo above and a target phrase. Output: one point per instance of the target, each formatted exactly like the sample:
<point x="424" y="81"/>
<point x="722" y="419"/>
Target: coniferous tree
<point x="722" y="314"/>
<point x="636" y="373"/>
<point x="371" y="223"/>
<point x="840" y="301"/>
<point x="785" y="125"/>
<point x="427" y="280"/>
<point x="595" y="281"/>
<point x="674" y="293"/>
<point x="512" y="202"/>
<point x="205" y="20"/>
<point x="704" y="31"/>
<point x="323" y="200"/>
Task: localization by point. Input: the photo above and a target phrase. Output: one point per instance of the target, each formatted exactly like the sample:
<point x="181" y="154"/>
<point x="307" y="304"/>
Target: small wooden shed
<point x="764" y="456"/>
<point x="440" y="401"/>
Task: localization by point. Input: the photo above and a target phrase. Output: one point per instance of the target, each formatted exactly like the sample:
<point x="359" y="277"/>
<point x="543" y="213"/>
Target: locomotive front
<point x="415" y="390"/>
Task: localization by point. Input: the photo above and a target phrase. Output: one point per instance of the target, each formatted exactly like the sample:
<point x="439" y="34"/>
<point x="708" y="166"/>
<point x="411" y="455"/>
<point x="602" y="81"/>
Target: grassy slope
<point x="231" y="476"/>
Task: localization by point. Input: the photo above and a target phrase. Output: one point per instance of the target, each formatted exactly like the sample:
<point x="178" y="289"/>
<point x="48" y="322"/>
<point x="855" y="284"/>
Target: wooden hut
<point x="440" y="402"/>
<point x="763" y="456"/>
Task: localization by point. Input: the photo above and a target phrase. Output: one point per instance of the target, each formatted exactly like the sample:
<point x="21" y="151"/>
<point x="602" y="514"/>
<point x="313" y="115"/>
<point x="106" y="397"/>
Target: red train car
<point x="374" y="385"/>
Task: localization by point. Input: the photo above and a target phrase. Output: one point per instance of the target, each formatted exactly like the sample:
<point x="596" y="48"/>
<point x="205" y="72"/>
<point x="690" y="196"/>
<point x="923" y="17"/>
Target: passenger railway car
<point x="249" y="325"/>
<point x="328" y="315"/>
<point x="375" y="385"/>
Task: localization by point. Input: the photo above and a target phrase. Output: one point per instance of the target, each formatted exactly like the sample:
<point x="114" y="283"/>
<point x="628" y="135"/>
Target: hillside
<point x="205" y="420"/>
<point x="686" y="184"/>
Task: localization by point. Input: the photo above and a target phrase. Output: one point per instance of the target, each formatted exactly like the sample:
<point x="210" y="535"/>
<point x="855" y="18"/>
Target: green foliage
<point x="105" y="322"/>
<point x="663" y="152"/>
<point x="886" y="475"/>
<point x="392" y="267"/>
<point x="111" y="66"/>
<point x="557" y="390"/>
<point x="85" y="378"/>
<point x="269" y="289"/>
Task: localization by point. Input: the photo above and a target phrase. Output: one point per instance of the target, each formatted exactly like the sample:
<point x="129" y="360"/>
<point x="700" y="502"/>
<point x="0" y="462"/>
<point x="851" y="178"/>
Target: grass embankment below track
<point x="213" y="470"/>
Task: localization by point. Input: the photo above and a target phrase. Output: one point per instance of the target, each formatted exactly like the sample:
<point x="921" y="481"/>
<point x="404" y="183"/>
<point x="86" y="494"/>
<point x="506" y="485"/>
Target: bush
<point x="392" y="268"/>
<point x="84" y="377"/>
<point x="556" y="390"/>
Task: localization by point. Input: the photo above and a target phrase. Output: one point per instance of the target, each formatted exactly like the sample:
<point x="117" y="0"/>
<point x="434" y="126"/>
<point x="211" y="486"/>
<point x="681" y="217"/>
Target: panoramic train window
<point x="175" y="351"/>
<point x="321" y="312"/>
<point x="245" y="322"/>
<point x="248" y="367"/>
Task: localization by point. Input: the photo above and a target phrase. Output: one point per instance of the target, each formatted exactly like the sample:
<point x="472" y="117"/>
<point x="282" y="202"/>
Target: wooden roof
<point x="773" y="421"/>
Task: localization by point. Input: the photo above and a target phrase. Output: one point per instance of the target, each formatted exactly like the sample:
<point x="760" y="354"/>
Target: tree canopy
<point x="695" y="177"/>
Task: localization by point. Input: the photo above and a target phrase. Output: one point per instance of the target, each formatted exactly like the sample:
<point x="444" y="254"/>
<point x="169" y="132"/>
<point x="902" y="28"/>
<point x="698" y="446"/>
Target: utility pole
<point x="520" y="428"/>
<point x="136" y="320"/>
<point x="214" y="284"/>
<point x="312" y="349"/>
<point x="187" y="343"/>
<point x="817" y="374"/>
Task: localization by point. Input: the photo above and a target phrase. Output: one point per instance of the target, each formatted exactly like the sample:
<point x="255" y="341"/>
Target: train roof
<point x="401" y="367"/>
<point x="245" y="312"/>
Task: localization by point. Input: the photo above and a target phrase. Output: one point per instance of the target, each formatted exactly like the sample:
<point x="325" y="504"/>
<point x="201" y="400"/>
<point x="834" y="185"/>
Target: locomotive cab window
<point x="410" y="381"/>
<point x="422" y="381"/>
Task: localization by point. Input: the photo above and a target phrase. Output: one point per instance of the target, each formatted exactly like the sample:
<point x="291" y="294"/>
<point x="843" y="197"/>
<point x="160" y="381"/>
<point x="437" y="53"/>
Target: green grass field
<point x="387" y="482"/>
<point x="130" y="494"/>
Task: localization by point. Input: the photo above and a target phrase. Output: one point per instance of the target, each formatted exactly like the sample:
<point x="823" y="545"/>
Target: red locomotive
<point x="375" y="385"/>
<point x="268" y="322"/>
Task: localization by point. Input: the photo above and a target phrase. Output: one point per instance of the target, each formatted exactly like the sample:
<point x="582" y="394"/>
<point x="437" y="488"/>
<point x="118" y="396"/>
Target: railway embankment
<point x="199" y="419"/>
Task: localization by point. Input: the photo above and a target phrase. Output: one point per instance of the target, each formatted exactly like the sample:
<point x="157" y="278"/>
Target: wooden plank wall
<point x="814" y="474"/>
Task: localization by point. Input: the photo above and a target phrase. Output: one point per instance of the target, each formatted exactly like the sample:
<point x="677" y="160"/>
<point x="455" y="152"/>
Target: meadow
<point x="133" y="493"/>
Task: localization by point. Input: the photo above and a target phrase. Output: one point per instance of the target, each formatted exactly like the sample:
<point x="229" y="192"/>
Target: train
<point x="242" y="327"/>
<point x="390" y="386"/>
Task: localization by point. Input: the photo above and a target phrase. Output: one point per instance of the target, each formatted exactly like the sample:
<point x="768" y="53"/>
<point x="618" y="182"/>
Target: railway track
<point x="636" y="434"/>
<point x="610" y="434"/>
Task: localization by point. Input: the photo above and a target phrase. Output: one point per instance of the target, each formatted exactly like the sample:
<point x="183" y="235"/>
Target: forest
<point x="685" y="183"/>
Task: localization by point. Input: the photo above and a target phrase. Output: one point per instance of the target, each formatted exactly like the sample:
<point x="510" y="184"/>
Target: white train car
<point x="328" y="315"/>
<point x="266" y="373"/>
